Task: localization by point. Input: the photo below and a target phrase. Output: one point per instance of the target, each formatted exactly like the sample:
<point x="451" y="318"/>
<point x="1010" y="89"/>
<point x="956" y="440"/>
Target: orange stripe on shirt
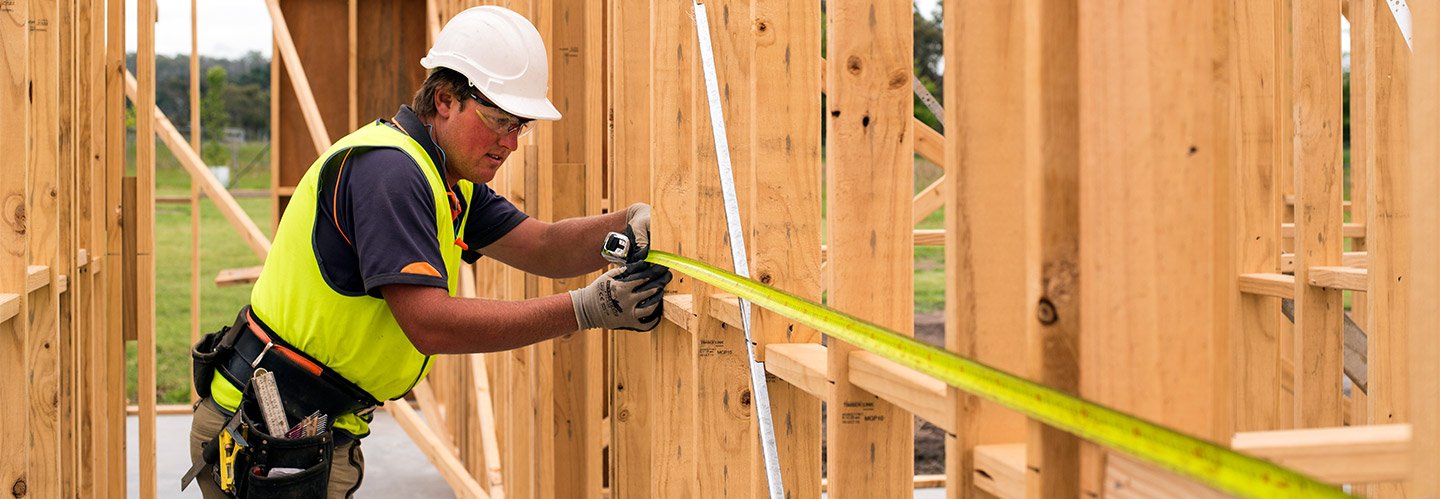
<point x="334" y="199"/>
<point x="422" y="268"/>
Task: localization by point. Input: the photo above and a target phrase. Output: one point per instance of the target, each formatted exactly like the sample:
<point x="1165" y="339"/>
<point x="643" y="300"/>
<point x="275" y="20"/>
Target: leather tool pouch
<point x="278" y="467"/>
<point x="211" y="351"/>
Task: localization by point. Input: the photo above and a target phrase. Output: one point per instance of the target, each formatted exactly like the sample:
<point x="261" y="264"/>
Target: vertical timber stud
<point x="1387" y="218"/>
<point x="63" y="195"/>
<point x="194" y="184"/>
<point x="1360" y="138"/>
<point x="14" y="246"/>
<point x="631" y="415"/>
<point x="784" y="221"/>
<point x="1285" y="163"/>
<point x="42" y="376"/>
<point x="1256" y="339"/>
<point x="144" y="227"/>
<point x="1155" y="242"/>
<point x="724" y="423"/>
<point x="1424" y="297"/>
<point x="985" y="302"/>
<point x="574" y="458"/>
<point x="1319" y="317"/>
<point x="870" y="446"/>
<point x="1052" y="226"/>
<point x="113" y="173"/>
<point x="672" y="183"/>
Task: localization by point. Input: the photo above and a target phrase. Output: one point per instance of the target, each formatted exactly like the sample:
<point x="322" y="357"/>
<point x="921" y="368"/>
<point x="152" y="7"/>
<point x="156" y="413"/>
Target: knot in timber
<point x="1045" y="312"/>
<point x="14" y="213"/>
<point x="20" y="488"/>
<point x="853" y="64"/>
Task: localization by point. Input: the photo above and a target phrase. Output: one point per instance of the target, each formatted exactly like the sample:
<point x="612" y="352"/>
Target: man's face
<point x="474" y="150"/>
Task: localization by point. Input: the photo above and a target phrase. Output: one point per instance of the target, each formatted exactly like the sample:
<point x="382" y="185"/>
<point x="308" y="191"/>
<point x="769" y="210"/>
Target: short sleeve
<point x="491" y="217"/>
<point x="391" y="215"/>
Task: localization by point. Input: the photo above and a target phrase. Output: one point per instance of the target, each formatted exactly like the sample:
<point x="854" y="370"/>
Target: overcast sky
<point x="231" y="28"/>
<point x="228" y="28"/>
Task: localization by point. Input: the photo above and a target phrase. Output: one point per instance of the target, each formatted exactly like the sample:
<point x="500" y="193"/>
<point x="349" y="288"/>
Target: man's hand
<point x="637" y="228"/>
<point x="629" y="298"/>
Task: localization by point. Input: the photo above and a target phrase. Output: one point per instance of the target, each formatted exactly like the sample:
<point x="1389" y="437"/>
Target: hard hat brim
<point x="535" y="109"/>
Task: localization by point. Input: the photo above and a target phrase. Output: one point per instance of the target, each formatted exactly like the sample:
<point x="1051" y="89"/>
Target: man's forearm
<point x="472" y="325"/>
<point x="573" y="244"/>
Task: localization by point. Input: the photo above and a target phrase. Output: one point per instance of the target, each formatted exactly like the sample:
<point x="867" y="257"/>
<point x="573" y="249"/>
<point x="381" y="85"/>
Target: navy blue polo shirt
<point x="377" y="218"/>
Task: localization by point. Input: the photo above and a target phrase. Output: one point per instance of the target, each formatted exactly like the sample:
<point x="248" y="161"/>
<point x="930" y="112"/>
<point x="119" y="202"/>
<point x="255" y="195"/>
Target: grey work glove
<point x="629" y="298"/>
<point x="637" y="228"/>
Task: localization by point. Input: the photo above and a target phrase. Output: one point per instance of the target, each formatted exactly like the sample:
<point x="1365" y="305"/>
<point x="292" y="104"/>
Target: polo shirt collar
<point x="410" y="123"/>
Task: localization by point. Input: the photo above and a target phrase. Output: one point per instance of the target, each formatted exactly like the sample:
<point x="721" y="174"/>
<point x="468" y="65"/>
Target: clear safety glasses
<point x="498" y="120"/>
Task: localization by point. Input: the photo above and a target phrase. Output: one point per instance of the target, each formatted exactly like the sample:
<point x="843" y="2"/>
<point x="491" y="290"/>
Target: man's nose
<point x="510" y="141"/>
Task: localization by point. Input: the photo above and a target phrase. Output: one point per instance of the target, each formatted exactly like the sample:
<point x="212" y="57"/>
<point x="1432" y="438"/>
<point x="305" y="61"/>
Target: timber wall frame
<point x="1123" y="222"/>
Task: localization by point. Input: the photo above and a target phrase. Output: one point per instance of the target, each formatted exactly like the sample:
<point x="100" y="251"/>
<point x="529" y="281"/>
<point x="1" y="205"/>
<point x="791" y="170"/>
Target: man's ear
<point x="446" y="104"/>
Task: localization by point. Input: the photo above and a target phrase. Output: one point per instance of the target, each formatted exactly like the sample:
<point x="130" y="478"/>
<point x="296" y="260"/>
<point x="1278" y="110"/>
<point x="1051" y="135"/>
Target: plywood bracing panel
<point x="390" y="40"/>
<point x="870" y="446"/>
<point x="319" y="34"/>
<point x="1155" y="247"/>
<point x="985" y="224"/>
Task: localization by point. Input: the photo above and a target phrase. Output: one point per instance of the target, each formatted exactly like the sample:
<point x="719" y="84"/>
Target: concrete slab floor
<point x="394" y="467"/>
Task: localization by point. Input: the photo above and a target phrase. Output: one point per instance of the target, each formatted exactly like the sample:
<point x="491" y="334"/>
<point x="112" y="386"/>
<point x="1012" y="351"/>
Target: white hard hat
<point x="502" y="55"/>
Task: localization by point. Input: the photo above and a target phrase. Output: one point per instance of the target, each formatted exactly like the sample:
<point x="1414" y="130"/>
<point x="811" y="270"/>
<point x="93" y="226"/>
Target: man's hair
<point x="440" y="80"/>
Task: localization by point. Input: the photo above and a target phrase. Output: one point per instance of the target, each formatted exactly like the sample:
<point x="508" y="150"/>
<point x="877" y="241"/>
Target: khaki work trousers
<point x="347" y="468"/>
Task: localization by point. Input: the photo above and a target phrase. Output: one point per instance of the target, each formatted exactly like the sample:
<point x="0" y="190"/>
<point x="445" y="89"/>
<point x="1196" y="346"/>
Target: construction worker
<point x="359" y="289"/>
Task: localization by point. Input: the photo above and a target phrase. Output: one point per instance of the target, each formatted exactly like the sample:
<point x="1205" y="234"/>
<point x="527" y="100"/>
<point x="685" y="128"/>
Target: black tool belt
<point x="246" y="452"/>
<point x="305" y="384"/>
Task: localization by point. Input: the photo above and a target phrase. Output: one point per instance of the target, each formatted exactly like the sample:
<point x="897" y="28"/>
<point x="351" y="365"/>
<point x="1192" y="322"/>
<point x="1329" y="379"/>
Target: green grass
<point x="220" y="248"/>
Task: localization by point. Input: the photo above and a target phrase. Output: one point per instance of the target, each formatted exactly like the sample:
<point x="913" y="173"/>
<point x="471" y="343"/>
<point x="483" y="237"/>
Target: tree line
<point x="235" y="93"/>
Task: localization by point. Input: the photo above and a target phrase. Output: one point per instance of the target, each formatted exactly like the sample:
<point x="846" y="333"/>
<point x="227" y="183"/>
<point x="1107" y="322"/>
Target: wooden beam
<point x="929" y="237"/>
<point x="1317" y="234"/>
<point x="633" y="361"/>
<point x="190" y="160"/>
<point x="143" y="227"/>
<point x="784" y="218"/>
<point x="1348" y="229"/>
<point x="870" y="136"/>
<point x="1357" y="259"/>
<point x="236" y="277"/>
<point x="1264" y="284"/>
<point x="929" y="199"/>
<point x="1383" y="203"/>
<point x="680" y="309"/>
<point x="437" y="451"/>
<point x="800" y="364"/>
<point x="15" y="99"/>
<point x="907" y="388"/>
<point x="285" y="44"/>
<point x="1000" y="470"/>
<point x="489" y="438"/>
<point x="1130" y="478"/>
<point x="1052" y="224"/>
<point x="1339" y="277"/>
<point x="1255" y="347"/>
<point x="111" y="481"/>
<point x="1156" y="337"/>
<point x="1424" y="294"/>
<point x="9" y="306"/>
<point x="725" y="307"/>
<point x="1351" y="454"/>
<point x="36" y="277"/>
<point x="929" y="144"/>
